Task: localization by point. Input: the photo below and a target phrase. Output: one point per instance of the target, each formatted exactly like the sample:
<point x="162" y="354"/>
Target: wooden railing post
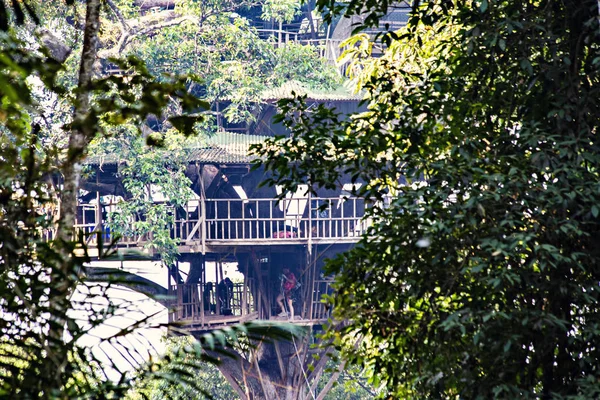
<point x="309" y="223"/>
<point x="203" y="225"/>
<point x="180" y="306"/>
<point x="245" y="288"/>
<point x="279" y="35"/>
<point x="200" y="286"/>
<point x="99" y="217"/>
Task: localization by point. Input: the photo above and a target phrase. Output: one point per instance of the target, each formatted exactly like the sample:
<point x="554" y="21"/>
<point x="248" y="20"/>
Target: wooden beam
<point x="280" y="361"/>
<point x="233" y="382"/>
<point x="332" y="380"/>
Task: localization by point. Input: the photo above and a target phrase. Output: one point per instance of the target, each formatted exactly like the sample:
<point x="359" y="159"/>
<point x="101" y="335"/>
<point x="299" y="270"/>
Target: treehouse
<point x="230" y="218"/>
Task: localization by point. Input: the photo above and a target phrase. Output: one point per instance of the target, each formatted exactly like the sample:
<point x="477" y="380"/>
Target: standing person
<point x="288" y="283"/>
<point x="225" y="292"/>
<point x="207" y="294"/>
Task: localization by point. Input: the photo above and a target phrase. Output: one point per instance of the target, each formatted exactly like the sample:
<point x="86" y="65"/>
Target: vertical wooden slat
<point x="200" y="290"/>
<point x="243" y="220"/>
<point x="228" y="202"/>
<point x="179" y="303"/>
<point x="271" y="230"/>
<point x="329" y="217"/>
<point x="217" y="303"/>
<point x="245" y="289"/>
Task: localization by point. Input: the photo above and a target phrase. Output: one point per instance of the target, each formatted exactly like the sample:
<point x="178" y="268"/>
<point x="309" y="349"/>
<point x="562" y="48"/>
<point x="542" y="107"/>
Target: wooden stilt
<point x="280" y="361"/>
<point x="245" y="289"/>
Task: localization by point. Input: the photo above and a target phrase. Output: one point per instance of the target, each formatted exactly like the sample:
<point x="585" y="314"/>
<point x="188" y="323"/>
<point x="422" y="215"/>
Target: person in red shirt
<point x="288" y="283"/>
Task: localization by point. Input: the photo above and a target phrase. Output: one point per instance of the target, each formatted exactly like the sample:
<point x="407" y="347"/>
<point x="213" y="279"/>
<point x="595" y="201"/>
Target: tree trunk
<point x="276" y="370"/>
<point x="82" y="131"/>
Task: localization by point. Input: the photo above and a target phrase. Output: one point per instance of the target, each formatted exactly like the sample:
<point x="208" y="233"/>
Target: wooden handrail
<point x="310" y="219"/>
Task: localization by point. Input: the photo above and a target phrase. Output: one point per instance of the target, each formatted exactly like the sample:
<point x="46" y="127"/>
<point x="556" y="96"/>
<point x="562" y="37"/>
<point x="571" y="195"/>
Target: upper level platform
<point x="214" y="225"/>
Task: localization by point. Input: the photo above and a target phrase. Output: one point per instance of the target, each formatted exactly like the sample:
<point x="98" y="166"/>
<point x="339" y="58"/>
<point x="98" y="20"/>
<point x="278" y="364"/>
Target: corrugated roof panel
<point x="285" y="92"/>
<point x="222" y="148"/>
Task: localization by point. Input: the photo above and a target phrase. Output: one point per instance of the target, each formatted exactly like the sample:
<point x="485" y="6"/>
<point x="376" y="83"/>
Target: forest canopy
<point x="479" y="277"/>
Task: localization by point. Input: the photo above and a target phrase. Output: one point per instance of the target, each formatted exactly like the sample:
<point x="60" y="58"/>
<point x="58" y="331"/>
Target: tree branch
<point x="332" y="380"/>
<point x="119" y="15"/>
<point x="134" y="30"/>
<point x="148" y="24"/>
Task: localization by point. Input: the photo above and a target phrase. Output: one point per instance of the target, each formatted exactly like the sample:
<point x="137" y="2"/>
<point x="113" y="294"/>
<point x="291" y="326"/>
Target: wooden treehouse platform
<point x="205" y="306"/>
<point x="262" y="236"/>
<point x="214" y="225"/>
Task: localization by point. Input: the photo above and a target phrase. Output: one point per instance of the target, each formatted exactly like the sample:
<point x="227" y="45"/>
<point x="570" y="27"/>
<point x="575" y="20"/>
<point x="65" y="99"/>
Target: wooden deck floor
<point x="215" y="322"/>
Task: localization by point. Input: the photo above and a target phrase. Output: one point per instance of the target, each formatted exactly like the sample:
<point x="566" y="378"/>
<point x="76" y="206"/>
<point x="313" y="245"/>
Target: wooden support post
<point x="245" y="290"/>
<point x="263" y="311"/>
<point x="98" y="212"/>
<point x="226" y="299"/>
<point x="170" y="292"/>
<point x="269" y="293"/>
<point x="203" y="282"/>
<point x="202" y="215"/>
<point x="218" y="302"/>
<point x="180" y="309"/>
<point x="280" y="362"/>
<point x="234" y="383"/>
<point x="203" y="231"/>
<point x="279" y="38"/>
<point x="309" y="289"/>
<point x="200" y="286"/>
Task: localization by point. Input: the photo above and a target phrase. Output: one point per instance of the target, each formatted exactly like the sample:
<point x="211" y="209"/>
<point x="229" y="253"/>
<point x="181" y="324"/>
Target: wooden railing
<point x="318" y="310"/>
<point x="310" y="220"/>
<point x="205" y="302"/>
<point x="284" y="36"/>
<point x="326" y="47"/>
<point x="209" y="304"/>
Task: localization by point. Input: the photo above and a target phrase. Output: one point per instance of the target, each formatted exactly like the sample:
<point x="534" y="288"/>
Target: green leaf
<point x="502" y="44"/>
<point x="483" y="6"/>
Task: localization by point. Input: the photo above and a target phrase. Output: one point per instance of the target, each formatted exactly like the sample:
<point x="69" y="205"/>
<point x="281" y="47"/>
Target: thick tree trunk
<point x="83" y="130"/>
<point x="80" y="135"/>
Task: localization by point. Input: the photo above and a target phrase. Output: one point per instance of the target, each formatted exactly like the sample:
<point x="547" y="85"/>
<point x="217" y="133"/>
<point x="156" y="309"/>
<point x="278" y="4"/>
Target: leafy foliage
<point x="479" y="278"/>
<point x="192" y="362"/>
<point x="51" y="301"/>
<point x="235" y="64"/>
<point x="205" y="380"/>
<point x="49" y="304"/>
<point x="21" y="10"/>
<point x="42" y="321"/>
<point x="148" y="174"/>
<point x="280" y="10"/>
